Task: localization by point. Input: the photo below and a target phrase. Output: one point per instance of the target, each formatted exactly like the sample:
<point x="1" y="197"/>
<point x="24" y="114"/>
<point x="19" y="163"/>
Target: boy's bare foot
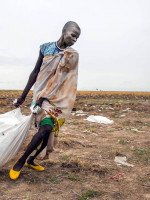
<point x="46" y="157"/>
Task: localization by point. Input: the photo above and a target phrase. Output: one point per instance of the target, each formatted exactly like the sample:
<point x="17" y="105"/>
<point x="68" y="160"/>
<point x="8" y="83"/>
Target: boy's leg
<point x="50" y="145"/>
<point x="44" y="144"/>
<point x="43" y="133"/>
<point x="53" y="140"/>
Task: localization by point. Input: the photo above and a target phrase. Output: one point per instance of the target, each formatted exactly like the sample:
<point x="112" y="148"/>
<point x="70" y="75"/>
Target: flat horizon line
<point x="124" y="91"/>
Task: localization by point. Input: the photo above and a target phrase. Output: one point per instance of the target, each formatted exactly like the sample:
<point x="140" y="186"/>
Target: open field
<point x="82" y="166"/>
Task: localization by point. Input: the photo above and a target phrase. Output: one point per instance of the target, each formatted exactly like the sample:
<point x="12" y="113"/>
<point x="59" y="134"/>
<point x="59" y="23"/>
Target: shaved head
<point x="70" y="24"/>
<point x="70" y="33"/>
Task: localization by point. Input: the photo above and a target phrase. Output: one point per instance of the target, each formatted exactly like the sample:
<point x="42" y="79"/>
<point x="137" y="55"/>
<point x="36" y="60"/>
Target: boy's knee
<point x="48" y="128"/>
<point x="45" y="130"/>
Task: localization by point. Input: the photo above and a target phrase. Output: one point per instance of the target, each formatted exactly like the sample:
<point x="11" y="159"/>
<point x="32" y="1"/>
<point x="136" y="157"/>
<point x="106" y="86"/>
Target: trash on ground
<point x="127" y="109"/>
<point x="136" y="130"/>
<point x="81" y="114"/>
<point x="79" y="111"/>
<point x="122" y="160"/>
<point x="93" y="106"/>
<point x="95" y="134"/>
<point x="99" y="119"/>
<point x="122" y="115"/>
<point x="117" y="177"/>
<point x="109" y="108"/>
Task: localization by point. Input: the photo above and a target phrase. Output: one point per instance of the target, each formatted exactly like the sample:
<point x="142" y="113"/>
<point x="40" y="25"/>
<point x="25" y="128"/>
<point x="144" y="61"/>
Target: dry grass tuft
<point x="115" y="152"/>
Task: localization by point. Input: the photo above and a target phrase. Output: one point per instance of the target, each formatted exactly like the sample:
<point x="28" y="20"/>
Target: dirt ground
<point x="82" y="166"/>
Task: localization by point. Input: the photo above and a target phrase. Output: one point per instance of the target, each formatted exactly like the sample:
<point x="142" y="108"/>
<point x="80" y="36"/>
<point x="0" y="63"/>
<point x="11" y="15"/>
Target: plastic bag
<point x="13" y="130"/>
<point x="122" y="161"/>
<point x="99" y="119"/>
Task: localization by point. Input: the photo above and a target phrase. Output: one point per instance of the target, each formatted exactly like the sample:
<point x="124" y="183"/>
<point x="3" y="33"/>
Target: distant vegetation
<point x="115" y="94"/>
<point x="12" y="94"/>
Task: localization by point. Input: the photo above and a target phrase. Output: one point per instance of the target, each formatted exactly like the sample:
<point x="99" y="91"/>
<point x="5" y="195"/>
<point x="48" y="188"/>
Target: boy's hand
<point x="39" y="103"/>
<point x="36" y="106"/>
<point x="18" y="102"/>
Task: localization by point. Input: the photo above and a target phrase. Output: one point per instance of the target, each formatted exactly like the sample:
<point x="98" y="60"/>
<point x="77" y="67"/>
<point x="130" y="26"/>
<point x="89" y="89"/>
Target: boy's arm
<point x="31" y="81"/>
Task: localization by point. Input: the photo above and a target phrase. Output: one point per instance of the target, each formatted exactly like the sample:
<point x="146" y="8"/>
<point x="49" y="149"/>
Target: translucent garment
<point x="57" y="81"/>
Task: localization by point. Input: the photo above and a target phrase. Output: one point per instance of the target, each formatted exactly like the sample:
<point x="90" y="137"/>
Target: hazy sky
<point x="114" y="45"/>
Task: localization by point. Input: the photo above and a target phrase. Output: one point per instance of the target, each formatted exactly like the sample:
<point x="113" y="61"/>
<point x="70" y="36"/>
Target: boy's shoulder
<point x="47" y="48"/>
<point x="47" y="44"/>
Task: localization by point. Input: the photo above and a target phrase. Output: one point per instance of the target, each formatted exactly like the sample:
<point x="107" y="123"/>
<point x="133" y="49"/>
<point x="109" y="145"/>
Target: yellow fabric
<point x="57" y="123"/>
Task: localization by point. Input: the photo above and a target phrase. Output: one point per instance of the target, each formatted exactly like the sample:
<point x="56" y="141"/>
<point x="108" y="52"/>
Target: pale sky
<point x="114" y="46"/>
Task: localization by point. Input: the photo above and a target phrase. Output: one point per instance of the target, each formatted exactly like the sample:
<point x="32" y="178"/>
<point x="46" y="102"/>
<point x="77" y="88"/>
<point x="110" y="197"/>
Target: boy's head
<point x="70" y="32"/>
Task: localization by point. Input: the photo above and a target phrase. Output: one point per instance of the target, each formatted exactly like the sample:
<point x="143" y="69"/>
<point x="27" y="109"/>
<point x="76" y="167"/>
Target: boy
<point x="55" y="78"/>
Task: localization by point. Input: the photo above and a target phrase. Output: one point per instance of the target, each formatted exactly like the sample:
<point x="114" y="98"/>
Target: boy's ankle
<point x="30" y="160"/>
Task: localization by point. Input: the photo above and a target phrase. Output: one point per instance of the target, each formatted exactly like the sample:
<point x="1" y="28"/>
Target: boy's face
<point x="71" y="35"/>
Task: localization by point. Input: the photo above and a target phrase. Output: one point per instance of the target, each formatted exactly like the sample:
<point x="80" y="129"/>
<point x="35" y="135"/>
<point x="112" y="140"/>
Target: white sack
<point x="99" y="119"/>
<point x="13" y="130"/>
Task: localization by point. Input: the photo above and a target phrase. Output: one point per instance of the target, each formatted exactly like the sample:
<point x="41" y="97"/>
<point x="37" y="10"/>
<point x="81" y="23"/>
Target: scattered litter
<point x="122" y="160"/>
<point x="132" y="148"/>
<point x="122" y="115"/>
<point x="93" y="106"/>
<point x="136" y="130"/>
<point x="79" y="111"/>
<point x="117" y="177"/>
<point x="85" y="131"/>
<point x="127" y="109"/>
<point x="95" y="134"/>
<point x="85" y="105"/>
<point x="99" y="119"/>
<point x="81" y="114"/>
<point x="109" y="108"/>
<point x="73" y="114"/>
<point x="99" y="110"/>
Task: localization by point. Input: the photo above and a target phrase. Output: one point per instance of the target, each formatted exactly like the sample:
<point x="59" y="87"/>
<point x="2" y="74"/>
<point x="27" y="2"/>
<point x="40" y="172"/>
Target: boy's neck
<point x="60" y="44"/>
